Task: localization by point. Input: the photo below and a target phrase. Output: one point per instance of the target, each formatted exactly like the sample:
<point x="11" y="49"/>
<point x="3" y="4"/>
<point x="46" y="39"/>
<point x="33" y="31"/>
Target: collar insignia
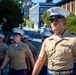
<point x="66" y="45"/>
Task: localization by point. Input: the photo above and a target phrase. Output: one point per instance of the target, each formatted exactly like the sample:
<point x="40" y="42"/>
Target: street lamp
<point x="21" y="4"/>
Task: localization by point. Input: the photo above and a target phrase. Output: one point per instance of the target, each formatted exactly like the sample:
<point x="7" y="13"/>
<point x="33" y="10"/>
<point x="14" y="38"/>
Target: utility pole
<point x="21" y="6"/>
<point x="21" y="14"/>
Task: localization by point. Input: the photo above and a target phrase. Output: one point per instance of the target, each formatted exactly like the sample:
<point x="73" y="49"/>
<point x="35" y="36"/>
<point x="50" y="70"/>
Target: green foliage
<point x="24" y="23"/>
<point x="32" y="25"/>
<point x="72" y="14"/>
<point x="71" y="23"/>
<point x="28" y="24"/>
<point x="71" y="29"/>
<point x="45" y="18"/>
<point x="10" y="10"/>
<point x="27" y="17"/>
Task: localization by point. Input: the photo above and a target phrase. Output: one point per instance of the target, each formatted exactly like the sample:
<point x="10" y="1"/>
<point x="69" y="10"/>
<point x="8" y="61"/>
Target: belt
<point x="60" y="72"/>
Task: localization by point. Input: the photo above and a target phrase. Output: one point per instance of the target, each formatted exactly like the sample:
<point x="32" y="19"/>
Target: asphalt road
<point x="37" y="38"/>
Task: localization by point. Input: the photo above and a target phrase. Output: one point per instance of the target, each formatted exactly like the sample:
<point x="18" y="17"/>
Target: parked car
<point x="41" y="29"/>
<point x="47" y="32"/>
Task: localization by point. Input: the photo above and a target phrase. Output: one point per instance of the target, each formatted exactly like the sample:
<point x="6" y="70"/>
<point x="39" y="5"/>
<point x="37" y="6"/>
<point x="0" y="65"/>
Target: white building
<point x="35" y="13"/>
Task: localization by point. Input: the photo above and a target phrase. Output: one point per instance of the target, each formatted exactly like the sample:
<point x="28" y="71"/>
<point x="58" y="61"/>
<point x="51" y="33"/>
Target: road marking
<point x="38" y="40"/>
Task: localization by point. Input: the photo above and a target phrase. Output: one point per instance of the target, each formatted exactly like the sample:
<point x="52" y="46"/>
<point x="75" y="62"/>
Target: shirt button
<point x="52" y="63"/>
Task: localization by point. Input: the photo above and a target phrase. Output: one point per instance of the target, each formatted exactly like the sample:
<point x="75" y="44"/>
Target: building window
<point x="68" y="6"/>
<point x="25" y="9"/>
<point x="64" y="6"/>
<point x="73" y="6"/>
<point x="42" y="10"/>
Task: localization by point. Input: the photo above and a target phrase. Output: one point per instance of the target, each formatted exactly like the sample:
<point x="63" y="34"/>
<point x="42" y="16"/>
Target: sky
<point x="36" y="1"/>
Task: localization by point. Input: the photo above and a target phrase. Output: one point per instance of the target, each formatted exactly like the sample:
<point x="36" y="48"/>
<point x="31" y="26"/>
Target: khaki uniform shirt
<point x="3" y="49"/>
<point x="60" y="53"/>
<point x="18" y="55"/>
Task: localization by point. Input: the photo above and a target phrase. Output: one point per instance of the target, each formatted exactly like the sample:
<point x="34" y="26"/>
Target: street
<point x="37" y="38"/>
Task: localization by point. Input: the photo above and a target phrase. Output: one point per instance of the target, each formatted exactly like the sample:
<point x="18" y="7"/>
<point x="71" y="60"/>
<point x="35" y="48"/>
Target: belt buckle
<point x="55" y="73"/>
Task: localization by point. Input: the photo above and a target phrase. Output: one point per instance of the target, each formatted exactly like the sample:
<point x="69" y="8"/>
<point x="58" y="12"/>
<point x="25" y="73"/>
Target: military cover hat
<point x="30" y="39"/>
<point x="2" y="35"/>
<point x="57" y="12"/>
<point x="25" y="36"/>
<point x="18" y="31"/>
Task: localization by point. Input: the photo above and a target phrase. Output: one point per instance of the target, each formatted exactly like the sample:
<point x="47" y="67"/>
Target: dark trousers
<point x="43" y="70"/>
<point x="17" y="72"/>
<point x="1" y="61"/>
<point x="74" y="69"/>
<point x="2" y="73"/>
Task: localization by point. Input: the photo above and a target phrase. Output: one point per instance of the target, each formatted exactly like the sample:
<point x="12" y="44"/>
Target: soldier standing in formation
<point x="33" y="50"/>
<point x="11" y="39"/>
<point x="3" y="49"/>
<point x="17" y="54"/>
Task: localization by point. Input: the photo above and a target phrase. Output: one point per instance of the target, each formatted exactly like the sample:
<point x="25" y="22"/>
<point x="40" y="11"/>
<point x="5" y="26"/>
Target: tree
<point x="10" y="10"/>
<point x="45" y="18"/>
<point x="27" y="17"/>
<point x="71" y="23"/>
<point x="48" y="1"/>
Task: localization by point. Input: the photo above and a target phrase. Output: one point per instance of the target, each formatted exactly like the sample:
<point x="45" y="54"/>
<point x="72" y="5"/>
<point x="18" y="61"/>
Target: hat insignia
<point x="52" y="10"/>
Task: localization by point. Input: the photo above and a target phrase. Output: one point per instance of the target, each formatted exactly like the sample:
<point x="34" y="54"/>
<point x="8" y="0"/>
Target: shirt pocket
<point x="65" y="50"/>
<point x="50" y="51"/>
